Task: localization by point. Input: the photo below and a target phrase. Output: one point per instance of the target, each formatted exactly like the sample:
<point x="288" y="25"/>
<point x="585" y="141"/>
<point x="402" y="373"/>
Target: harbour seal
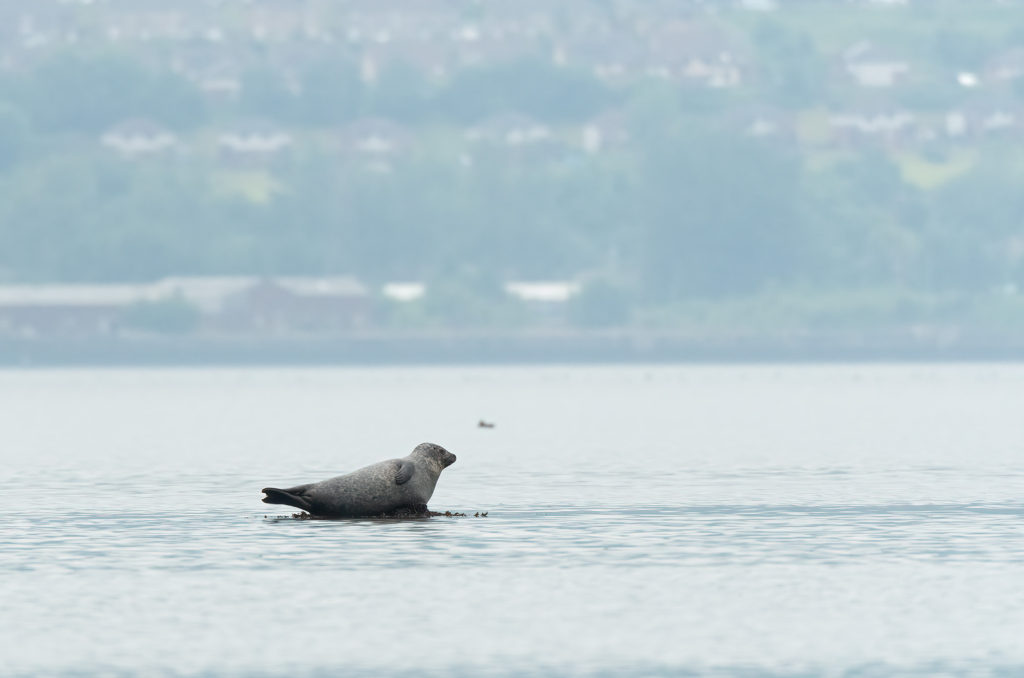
<point x="405" y="483"/>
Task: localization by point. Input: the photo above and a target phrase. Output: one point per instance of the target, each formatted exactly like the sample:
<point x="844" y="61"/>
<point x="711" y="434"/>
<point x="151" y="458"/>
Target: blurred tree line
<point x="690" y="209"/>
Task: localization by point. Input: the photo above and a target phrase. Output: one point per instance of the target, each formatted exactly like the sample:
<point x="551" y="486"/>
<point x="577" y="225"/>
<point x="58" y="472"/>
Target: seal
<point x="387" y="486"/>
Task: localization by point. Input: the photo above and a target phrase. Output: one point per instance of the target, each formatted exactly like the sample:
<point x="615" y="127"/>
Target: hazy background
<point x="750" y="164"/>
<point x="189" y="181"/>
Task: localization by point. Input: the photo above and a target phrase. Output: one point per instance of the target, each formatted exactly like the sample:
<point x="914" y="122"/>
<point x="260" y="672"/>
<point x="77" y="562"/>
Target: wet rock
<point x="399" y="514"/>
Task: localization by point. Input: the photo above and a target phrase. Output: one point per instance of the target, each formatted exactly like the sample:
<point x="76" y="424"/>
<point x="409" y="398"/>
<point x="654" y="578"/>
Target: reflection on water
<point x="758" y="521"/>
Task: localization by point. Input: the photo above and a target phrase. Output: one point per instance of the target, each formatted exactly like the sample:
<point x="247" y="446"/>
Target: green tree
<point x="532" y="87"/>
<point x="401" y="92"/>
<point x="602" y="303"/>
<point x="955" y="49"/>
<point x="793" y="73"/>
<point x="863" y="223"/>
<point x="470" y="296"/>
<point x="265" y="95"/>
<point x="331" y="92"/>
<point x="719" y="215"/>
<point x="174" y="315"/>
<point x="88" y="93"/>
<point x="15" y="134"/>
<point x="977" y="219"/>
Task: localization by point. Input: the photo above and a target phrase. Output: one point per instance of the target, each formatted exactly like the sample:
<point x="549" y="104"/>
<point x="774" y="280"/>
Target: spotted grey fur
<point x="405" y="483"/>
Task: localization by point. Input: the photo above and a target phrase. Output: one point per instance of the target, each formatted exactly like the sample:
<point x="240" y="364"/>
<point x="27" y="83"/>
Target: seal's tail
<point x="276" y="496"/>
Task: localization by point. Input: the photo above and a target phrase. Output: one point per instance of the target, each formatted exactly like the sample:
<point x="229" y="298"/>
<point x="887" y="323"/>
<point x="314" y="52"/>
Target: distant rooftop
<point x="547" y="291"/>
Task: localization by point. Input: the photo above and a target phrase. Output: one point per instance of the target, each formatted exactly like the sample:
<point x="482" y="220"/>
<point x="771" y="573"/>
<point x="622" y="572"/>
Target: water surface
<point x="752" y="521"/>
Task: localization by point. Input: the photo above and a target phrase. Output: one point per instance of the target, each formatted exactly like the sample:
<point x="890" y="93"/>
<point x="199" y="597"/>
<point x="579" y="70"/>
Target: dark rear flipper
<point x="276" y="496"/>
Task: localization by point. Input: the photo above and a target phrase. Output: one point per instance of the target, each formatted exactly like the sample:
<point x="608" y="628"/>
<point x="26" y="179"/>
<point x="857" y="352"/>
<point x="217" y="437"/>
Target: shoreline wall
<point x="424" y="347"/>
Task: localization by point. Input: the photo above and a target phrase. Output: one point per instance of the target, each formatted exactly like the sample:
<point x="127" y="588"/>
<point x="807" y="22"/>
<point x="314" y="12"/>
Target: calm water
<point x="751" y="521"/>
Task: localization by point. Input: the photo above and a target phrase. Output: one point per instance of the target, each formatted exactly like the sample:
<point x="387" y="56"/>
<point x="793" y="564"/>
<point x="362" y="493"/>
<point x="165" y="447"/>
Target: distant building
<point x="716" y="70"/>
<point x="253" y="142"/>
<point x="209" y="294"/>
<point x="694" y="52"/>
<point x="613" y="58"/>
<point x="213" y="70"/>
<point x="547" y="300"/>
<point x="1007" y="66"/>
<point x="544" y="292"/>
<point x="226" y="304"/>
<point x="376" y="142"/>
<point x="138" y="138"/>
<point x="871" y="66"/>
<point x="607" y="131"/>
<point x="513" y="137"/>
<point x="881" y="125"/>
<point x="66" y="310"/>
<point x="221" y="84"/>
<point x="296" y="304"/>
<point x="404" y="291"/>
<point x="284" y="304"/>
<point x="511" y="130"/>
<point x="764" y="122"/>
<point x="984" y="118"/>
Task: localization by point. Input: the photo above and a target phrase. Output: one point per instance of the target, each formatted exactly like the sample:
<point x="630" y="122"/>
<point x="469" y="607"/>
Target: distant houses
<point x="225" y="304"/>
<point x="62" y="309"/>
<point x="683" y="41"/>
<point x="380" y="145"/>
<point x="681" y="51"/>
<point x="983" y="119"/>
<point x="281" y="304"/>
<point x="685" y="46"/>
<point x="511" y="130"/>
<point x="234" y="305"/>
<point x="513" y="137"/>
<point x="694" y="53"/>
<point x="614" y="60"/>
<point x="884" y="124"/>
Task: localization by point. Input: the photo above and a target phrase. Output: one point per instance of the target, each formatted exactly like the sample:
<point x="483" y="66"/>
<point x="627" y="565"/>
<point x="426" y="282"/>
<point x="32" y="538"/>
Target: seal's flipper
<point x="276" y="496"/>
<point x="404" y="472"/>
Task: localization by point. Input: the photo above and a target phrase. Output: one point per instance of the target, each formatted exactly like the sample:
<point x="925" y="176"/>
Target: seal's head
<point x="434" y="454"/>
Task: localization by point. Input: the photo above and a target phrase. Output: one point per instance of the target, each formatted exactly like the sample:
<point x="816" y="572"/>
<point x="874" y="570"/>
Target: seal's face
<point x="435" y="453"/>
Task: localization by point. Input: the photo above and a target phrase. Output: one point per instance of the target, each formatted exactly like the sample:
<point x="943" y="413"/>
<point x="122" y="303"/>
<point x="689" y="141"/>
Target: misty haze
<point x="718" y="304"/>
<point x="811" y="175"/>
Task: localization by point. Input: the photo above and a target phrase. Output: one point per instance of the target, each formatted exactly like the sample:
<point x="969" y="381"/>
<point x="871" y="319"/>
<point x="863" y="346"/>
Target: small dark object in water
<point x="417" y="513"/>
<point x="485" y="424"/>
<point x="484" y="514"/>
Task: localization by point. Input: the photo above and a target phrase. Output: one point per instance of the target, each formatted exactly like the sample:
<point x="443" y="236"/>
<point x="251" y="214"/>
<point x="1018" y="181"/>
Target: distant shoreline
<point x="518" y="347"/>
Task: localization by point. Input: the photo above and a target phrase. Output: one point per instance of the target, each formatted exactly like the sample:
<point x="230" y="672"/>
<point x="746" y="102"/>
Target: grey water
<point x="771" y="520"/>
